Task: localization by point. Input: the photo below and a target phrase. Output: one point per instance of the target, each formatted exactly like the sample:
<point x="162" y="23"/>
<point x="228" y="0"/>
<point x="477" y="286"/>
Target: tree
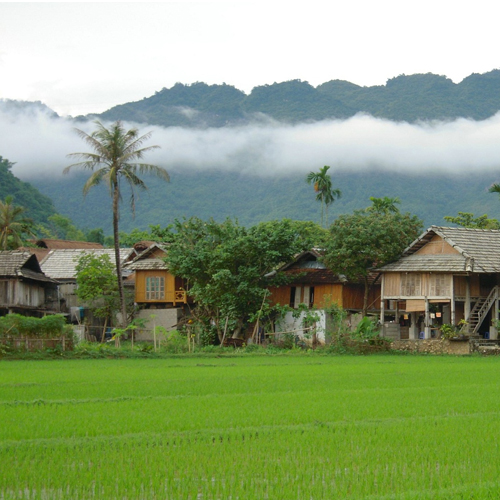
<point x="60" y="227"/>
<point x="14" y="227"/>
<point x="384" y="205"/>
<point x="324" y="189"/>
<point x="96" y="284"/>
<point x="466" y="219"/>
<point x="226" y="266"/>
<point x="363" y="241"/>
<point x="115" y="160"/>
<point x="95" y="235"/>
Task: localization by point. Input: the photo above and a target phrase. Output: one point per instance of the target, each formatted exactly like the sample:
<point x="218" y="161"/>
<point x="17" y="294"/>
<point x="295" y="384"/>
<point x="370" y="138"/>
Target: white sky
<point x="86" y="57"/>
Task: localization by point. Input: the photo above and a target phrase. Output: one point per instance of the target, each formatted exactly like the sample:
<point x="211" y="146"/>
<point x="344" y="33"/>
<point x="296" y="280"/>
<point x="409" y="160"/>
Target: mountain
<point x="219" y="194"/>
<point x="404" y="98"/>
<point x="253" y="199"/>
<point x="38" y="206"/>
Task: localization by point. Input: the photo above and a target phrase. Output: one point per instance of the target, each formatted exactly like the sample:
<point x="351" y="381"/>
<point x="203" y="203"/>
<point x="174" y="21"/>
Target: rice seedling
<point x="380" y="427"/>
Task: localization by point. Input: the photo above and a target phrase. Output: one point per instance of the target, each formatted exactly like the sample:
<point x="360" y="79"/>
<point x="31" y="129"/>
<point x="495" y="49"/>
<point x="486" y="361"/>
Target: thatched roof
<point x="478" y="250"/>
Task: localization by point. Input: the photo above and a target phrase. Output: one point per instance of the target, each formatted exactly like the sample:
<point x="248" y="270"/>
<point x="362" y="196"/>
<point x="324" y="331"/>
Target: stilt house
<point x="445" y="276"/>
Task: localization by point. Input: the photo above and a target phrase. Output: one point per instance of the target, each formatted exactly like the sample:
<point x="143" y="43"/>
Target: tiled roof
<point x="479" y="251"/>
<point x="61" y="264"/>
<point x="430" y="263"/>
<point x="144" y="262"/>
<point x="147" y="265"/>
<point x="60" y="244"/>
<point x="21" y="264"/>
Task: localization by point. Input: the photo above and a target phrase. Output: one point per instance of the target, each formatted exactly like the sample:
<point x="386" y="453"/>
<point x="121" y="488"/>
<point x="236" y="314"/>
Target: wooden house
<point x="155" y="286"/>
<point x="316" y="286"/>
<point x="24" y="288"/>
<point x="60" y="264"/>
<point x="445" y="276"/>
<point x="42" y="247"/>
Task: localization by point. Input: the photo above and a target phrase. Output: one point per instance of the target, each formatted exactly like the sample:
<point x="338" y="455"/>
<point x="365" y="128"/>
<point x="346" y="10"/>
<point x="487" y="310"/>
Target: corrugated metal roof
<point x="479" y="251"/>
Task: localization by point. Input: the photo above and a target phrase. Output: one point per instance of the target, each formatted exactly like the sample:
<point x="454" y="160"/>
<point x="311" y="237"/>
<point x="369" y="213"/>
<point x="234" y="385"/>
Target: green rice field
<point x="261" y="427"/>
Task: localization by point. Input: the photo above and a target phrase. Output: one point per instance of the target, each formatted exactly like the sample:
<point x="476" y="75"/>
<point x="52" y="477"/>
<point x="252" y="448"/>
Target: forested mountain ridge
<point x="403" y="98"/>
<point x="212" y="191"/>
<point x="38" y="206"/>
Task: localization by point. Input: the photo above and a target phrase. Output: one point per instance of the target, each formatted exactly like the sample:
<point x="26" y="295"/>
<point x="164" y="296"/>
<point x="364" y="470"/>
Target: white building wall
<point x="291" y="324"/>
<point x="168" y="318"/>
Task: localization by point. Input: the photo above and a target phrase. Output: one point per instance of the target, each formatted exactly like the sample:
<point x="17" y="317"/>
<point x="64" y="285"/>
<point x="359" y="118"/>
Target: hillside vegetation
<point x="38" y="206"/>
<point x="254" y="199"/>
<point x="404" y="98"/>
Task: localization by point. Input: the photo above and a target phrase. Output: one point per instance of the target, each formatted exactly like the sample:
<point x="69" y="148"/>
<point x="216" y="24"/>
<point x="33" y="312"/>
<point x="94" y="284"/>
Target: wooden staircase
<point x="480" y="310"/>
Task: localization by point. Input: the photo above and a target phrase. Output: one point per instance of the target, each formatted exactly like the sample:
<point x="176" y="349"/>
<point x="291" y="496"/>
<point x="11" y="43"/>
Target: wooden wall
<point x="323" y="294"/>
<point x="172" y="284"/>
<point x="437" y="246"/>
<point x="21" y="293"/>
<point x="348" y="296"/>
<point x="417" y="285"/>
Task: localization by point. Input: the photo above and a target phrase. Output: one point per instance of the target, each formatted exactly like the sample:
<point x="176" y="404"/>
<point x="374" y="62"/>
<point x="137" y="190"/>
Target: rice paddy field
<point x="304" y="427"/>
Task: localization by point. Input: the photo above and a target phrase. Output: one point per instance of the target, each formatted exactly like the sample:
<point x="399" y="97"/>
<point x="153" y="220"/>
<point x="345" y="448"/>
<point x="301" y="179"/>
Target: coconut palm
<point x="13" y="224"/>
<point x="324" y="189"/>
<point x="384" y="205"/>
<point x="114" y="159"/>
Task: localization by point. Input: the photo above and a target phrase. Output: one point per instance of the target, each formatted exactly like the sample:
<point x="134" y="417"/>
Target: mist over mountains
<point x="423" y="138"/>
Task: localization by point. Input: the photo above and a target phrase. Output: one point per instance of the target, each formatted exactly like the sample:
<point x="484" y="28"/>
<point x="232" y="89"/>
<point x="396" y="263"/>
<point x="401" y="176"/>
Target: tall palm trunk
<point x="123" y="308"/>
<point x="365" y="297"/>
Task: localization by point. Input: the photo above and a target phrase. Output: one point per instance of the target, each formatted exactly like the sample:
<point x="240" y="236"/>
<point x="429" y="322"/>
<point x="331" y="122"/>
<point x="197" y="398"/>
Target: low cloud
<point x="38" y="143"/>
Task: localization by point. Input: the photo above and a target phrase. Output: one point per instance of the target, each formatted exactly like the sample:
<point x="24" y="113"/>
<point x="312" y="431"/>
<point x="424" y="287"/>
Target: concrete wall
<point x="167" y="318"/>
<point x="291" y="324"/>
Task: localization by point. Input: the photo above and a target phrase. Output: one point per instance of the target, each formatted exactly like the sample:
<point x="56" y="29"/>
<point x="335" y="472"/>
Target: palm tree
<point x="115" y="156"/>
<point x="384" y="205"/>
<point x="324" y="189"/>
<point x="13" y="225"/>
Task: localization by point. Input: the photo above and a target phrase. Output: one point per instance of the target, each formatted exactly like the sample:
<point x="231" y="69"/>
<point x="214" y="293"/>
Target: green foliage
<point x="384" y="205"/>
<point x="403" y="98"/>
<point x="116" y="159"/>
<point x="13" y="325"/>
<point x="252" y="200"/>
<point x="136" y="235"/>
<point x="466" y="219"/>
<point x="96" y="284"/>
<point x="225" y="265"/>
<point x="38" y="206"/>
<point x="362" y="241"/>
<point x="14" y="226"/>
<point x="366" y="329"/>
<point x="62" y="228"/>
<point x="95" y="235"/>
<point x="366" y="240"/>
<point x="325" y="193"/>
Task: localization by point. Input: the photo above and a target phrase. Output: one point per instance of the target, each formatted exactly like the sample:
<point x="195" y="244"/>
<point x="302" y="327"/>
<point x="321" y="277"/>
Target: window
<point x="411" y="285"/>
<point x="155" y="288"/>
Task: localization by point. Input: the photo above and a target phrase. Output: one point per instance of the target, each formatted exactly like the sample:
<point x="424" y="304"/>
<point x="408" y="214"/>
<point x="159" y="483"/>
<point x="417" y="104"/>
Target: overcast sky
<point x="86" y="57"/>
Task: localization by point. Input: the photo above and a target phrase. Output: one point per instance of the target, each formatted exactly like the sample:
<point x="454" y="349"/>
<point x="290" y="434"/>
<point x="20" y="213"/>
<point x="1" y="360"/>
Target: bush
<point x="14" y="325"/>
